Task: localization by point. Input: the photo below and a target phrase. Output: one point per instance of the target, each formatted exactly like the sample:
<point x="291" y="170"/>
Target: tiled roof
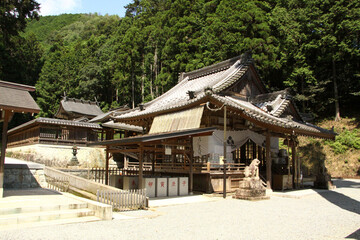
<point x="122" y="126"/>
<point x="16" y="97"/>
<point x="178" y="95"/>
<point x="254" y="112"/>
<point x="55" y="121"/>
<point x="81" y="107"/>
<point x="274" y="103"/>
<point x="209" y="84"/>
<point x="104" y="117"/>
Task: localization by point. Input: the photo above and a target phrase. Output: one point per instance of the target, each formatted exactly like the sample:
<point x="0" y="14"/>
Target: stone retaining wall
<point x="59" y="155"/>
<point x="24" y="176"/>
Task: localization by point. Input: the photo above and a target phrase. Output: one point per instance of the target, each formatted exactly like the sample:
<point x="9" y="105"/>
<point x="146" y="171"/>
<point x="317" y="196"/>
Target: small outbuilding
<point x="13" y="98"/>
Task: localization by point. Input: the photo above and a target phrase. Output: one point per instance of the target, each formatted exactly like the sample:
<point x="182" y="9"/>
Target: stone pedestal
<point x="251" y="189"/>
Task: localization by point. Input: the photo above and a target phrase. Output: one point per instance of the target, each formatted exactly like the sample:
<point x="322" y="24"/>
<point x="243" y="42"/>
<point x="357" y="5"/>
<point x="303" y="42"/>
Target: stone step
<point x="31" y="217"/>
<point x="50" y="223"/>
<point x="50" y="207"/>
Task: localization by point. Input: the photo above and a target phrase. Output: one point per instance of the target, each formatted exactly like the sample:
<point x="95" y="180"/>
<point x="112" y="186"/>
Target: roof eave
<point x="19" y="109"/>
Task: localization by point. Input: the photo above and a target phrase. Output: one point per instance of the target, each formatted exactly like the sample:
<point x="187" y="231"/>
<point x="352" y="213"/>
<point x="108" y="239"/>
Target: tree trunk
<point x="143" y="80"/>
<point x="117" y="95"/>
<point x="303" y="93"/>
<point x="336" y="94"/>
<point x="132" y="86"/>
<point x="156" y="69"/>
<point x="151" y="83"/>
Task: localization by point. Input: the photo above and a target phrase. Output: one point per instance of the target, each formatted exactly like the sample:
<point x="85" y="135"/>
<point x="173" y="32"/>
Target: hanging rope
<point x="214" y="109"/>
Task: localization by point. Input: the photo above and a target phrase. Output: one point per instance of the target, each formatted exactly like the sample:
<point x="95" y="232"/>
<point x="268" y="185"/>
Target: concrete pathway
<point x="320" y="215"/>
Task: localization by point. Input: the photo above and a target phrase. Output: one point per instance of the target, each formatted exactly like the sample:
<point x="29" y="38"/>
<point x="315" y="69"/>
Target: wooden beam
<point x="124" y="150"/>
<point x="268" y="161"/>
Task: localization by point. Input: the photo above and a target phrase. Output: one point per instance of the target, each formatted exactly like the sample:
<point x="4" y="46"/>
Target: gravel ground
<point x="324" y="215"/>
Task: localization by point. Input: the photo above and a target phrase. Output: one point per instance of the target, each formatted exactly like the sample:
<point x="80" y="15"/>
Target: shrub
<point x="345" y="140"/>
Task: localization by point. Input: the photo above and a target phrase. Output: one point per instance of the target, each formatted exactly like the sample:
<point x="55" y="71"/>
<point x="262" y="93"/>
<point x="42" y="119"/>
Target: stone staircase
<point x="31" y="211"/>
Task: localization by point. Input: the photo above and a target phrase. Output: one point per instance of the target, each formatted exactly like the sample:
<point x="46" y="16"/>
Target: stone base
<point x="253" y="198"/>
<point x="251" y="189"/>
<point x="250" y="192"/>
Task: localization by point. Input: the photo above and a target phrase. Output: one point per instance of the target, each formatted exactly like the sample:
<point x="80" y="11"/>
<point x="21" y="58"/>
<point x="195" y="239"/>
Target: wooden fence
<point x="124" y="199"/>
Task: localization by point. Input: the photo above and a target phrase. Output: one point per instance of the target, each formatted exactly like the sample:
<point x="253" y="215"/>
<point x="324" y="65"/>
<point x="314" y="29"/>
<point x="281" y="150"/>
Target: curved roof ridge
<point x="232" y="77"/>
<point x="217" y="67"/>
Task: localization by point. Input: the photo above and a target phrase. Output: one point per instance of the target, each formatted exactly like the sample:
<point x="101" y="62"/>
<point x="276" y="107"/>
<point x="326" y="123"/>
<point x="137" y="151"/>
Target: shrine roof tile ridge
<point x="217" y="67"/>
<point x="268" y="97"/>
<point x="178" y="95"/>
<point x="72" y="105"/>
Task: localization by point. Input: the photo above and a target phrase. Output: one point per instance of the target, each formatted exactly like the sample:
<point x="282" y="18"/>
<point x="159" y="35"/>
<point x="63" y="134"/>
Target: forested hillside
<point x="312" y="47"/>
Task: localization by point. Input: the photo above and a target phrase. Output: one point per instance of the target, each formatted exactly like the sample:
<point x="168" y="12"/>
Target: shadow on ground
<point x="340" y="199"/>
<point x="341" y="183"/>
<point x="355" y="235"/>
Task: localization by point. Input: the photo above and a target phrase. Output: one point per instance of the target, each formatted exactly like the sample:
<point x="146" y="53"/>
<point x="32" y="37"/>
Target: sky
<point x="102" y="7"/>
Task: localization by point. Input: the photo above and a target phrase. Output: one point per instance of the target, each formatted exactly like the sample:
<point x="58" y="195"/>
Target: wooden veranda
<point x="156" y="150"/>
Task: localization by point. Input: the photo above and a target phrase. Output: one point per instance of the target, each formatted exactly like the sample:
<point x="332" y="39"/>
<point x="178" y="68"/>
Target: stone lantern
<point x="74" y="161"/>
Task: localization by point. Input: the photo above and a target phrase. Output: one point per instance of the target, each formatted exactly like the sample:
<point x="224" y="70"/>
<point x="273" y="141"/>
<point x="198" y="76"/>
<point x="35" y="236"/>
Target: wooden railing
<point x="133" y="169"/>
<point x="123" y="199"/>
<point x="60" y="184"/>
<point x="197" y="167"/>
<point x="99" y="174"/>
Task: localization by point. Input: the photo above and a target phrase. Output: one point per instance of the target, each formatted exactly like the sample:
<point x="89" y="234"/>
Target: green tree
<point x="338" y="30"/>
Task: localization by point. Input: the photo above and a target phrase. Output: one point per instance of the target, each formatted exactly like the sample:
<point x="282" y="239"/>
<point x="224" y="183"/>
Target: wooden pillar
<point x="141" y="162"/>
<point x="224" y="177"/>
<point x="294" y="162"/>
<point x="126" y="162"/>
<point x="268" y="161"/>
<point x="153" y="164"/>
<point x="191" y="179"/>
<point x="107" y="166"/>
<point x="7" y="115"/>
